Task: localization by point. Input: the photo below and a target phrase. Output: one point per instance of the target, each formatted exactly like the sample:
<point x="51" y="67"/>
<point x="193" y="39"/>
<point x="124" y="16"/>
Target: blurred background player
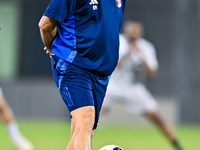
<point x="137" y="59"/>
<point x="8" y="118"/>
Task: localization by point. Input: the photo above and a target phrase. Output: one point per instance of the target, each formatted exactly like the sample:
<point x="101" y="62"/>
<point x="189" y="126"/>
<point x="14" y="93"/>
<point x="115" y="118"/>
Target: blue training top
<point x="88" y="32"/>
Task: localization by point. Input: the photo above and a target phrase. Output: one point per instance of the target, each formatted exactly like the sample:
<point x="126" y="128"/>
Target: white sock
<point x="13" y="131"/>
<point x="17" y="138"/>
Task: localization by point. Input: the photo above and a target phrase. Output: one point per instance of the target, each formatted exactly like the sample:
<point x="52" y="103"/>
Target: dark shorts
<point x="79" y="87"/>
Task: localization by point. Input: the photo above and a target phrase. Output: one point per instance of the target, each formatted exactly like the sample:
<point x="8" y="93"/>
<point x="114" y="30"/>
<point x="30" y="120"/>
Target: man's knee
<point x="84" y="117"/>
<point x="2" y="104"/>
<point x="151" y="114"/>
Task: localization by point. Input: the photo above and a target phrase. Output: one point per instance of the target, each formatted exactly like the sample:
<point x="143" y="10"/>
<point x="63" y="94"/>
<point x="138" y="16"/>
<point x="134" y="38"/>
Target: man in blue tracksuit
<point x="82" y="39"/>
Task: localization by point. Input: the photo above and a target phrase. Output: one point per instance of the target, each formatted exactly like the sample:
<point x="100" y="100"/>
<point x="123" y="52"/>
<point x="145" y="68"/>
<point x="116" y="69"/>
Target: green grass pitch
<point x="54" y="135"/>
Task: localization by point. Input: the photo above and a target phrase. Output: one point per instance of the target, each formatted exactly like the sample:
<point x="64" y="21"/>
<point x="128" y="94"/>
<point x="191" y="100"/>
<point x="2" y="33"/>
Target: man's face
<point x="133" y="32"/>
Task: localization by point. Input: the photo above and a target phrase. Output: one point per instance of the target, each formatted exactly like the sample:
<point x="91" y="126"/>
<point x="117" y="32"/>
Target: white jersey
<point x="124" y="84"/>
<point x="1" y="93"/>
<point x="131" y="69"/>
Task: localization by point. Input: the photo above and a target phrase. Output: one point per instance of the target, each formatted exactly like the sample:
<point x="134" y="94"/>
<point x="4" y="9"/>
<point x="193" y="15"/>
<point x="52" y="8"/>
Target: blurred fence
<point x="35" y="98"/>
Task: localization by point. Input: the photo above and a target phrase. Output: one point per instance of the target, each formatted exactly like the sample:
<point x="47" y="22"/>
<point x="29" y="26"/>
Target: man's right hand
<point x="48" y="51"/>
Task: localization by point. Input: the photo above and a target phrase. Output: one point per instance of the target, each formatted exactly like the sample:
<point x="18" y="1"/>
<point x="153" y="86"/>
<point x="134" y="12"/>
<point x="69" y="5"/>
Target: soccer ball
<point x="111" y="147"/>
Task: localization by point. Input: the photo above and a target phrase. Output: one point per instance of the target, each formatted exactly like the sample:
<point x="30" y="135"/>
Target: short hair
<point x="130" y="22"/>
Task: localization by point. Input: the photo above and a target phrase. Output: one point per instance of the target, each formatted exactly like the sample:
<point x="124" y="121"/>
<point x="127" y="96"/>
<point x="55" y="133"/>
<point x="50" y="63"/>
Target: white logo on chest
<point x="94" y="4"/>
